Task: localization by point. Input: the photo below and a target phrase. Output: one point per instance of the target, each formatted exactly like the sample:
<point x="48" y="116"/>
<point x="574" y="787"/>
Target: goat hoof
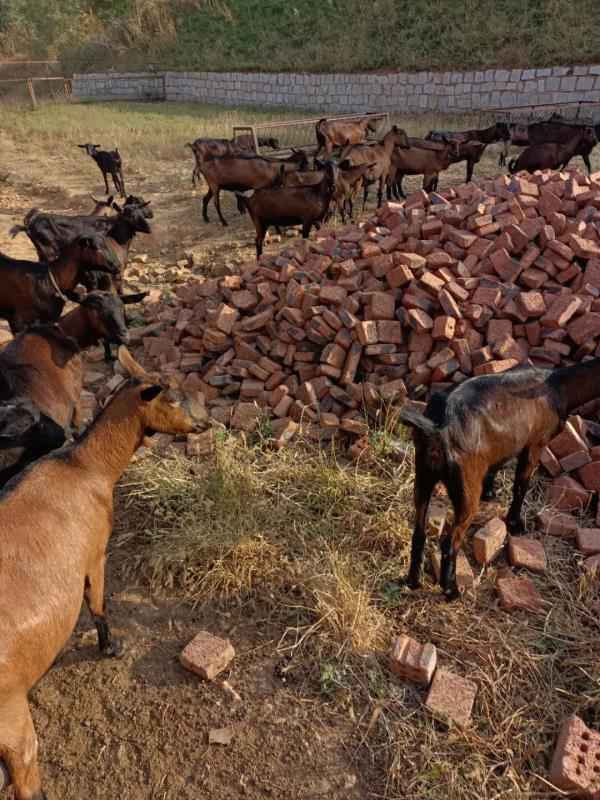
<point x="451" y="594"/>
<point x="115" y="649"/>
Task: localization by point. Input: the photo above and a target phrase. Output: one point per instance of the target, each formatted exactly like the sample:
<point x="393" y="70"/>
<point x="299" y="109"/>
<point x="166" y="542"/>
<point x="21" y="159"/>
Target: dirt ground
<point x="138" y="727"/>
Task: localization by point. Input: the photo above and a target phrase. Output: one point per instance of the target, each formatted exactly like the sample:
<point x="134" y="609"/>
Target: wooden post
<point x="31" y="91"/>
<point x="255" y="137"/>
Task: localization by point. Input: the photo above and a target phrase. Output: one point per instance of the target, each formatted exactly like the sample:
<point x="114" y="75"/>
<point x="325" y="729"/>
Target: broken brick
<point x="414" y="661"/>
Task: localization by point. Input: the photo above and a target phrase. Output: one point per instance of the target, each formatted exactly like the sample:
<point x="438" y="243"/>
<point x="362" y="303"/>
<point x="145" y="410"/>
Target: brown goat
<point x="553" y="155"/>
<point x="56" y="520"/>
<point x="380" y="156"/>
<point x="348" y="182"/>
<point x="290" y="205"/>
<point x="31" y="291"/>
<point x="421" y="158"/>
<point x="478" y="427"/>
<point x="471" y="152"/>
<point x="340" y="132"/>
<point x="42" y="375"/>
<point x="241" y="173"/>
<point x="239" y="145"/>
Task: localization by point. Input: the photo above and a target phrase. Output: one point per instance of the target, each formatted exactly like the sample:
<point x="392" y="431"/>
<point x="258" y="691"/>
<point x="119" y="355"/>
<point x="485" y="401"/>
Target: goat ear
<point x="149" y="393"/>
<point x="130" y="365"/>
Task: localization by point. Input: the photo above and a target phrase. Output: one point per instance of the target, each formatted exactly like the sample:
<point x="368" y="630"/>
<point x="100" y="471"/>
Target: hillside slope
<point x="303" y="35"/>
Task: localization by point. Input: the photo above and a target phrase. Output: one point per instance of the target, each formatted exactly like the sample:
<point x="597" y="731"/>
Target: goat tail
<point x="17" y="229"/>
<point x="416" y="420"/>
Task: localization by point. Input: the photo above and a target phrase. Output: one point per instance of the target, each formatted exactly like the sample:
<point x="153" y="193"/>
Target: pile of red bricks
<point x="471" y="281"/>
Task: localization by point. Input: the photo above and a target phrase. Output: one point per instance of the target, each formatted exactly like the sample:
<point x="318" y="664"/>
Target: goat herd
<point x="52" y="555"/>
<point x="287" y="192"/>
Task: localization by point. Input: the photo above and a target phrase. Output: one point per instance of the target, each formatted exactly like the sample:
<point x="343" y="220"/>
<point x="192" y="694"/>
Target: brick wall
<point x="407" y="92"/>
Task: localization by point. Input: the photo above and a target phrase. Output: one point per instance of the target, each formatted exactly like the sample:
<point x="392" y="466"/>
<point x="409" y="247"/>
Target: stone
<point x="588" y="540"/>
<point x="207" y="655"/>
<point x="526" y="552"/>
<point x="451" y="697"/>
<point x="221" y="736"/>
<point x="576" y="761"/>
<point x="489" y="540"/>
<point x="414" y="661"/>
<point x="518" y="593"/>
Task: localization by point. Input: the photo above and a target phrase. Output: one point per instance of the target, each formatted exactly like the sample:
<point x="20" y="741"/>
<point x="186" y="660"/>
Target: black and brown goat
<point x="421" y="158"/>
<point x="340" y="133"/>
<point x="379" y="156"/>
<point x="498" y="132"/>
<point x="56" y="520"/>
<point x="41" y="373"/>
<point x="109" y="163"/>
<point x="464" y="437"/>
<point x="290" y="205"/>
<point x="554" y="155"/>
<point x="560" y="131"/>
<point x="32" y="291"/>
<point x="471" y="152"/>
<point x="241" y="173"/>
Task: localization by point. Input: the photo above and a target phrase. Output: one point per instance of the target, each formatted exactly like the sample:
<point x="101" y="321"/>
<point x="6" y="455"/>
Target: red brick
<point x="531" y="303"/>
<point x="389" y="332"/>
<point x="464" y="574"/>
<point x="585" y="328"/>
<point x="444" y="327"/>
<point x="487" y="296"/>
<point x="414" y="661"/>
<point x="575" y="460"/>
<point x="333" y="355"/>
<point x="431" y="282"/>
<point x="419" y="320"/>
<point x="568" y="441"/>
<point x="576" y="759"/>
<point x="207" y="655"/>
<point x="451" y="697"/>
<point x="526" y="552"/>
<point x="489" y="540"/>
<point x="332" y="294"/>
<point x="495" y="367"/>
<point x="399" y="276"/>
<point x="588" y="540"/>
<point x="566" y="494"/>
<point x="498" y="328"/>
<point x="505" y="266"/>
<point x="582" y="248"/>
<point x="518" y="593"/>
<point x="352" y="362"/>
<point x="556" y="524"/>
<point x="550" y="462"/>
<point x="245" y="417"/>
<point x="367" y="332"/>
<point x="382" y="305"/>
<point x="589" y="475"/>
<point x="201" y="444"/>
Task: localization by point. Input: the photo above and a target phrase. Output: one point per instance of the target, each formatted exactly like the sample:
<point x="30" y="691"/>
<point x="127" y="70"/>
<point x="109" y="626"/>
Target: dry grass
<point x="315" y="540"/>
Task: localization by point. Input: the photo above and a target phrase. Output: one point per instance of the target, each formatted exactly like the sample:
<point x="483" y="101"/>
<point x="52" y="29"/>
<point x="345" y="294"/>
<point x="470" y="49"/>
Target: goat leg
<point x="94" y="598"/>
<point x="19" y="748"/>
<point x="526" y="465"/>
<point x="104" y="175"/>
<point x="218" y="207"/>
<point x="464" y="489"/>
<point x="489" y="488"/>
<point x="205" y="201"/>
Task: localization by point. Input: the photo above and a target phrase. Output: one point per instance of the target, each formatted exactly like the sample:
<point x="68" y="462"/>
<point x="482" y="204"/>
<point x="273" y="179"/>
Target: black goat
<point x="290" y="205"/>
<point x="109" y="163"/>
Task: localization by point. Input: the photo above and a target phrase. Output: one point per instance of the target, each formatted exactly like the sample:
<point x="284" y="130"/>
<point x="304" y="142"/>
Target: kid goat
<point x="109" y="163"/>
<point x="54" y="551"/>
<point x="474" y="430"/>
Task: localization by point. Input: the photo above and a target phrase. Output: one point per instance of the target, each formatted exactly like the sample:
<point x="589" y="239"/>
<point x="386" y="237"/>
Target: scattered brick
<point x="526" y="552"/>
<point x="556" y="524"/>
<point x="518" y="593"/>
<point x="451" y="697"/>
<point x="576" y="758"/>
<point x="588" y="541"/>
<point x="207" y="655"/>
<point x="414" y="661"/>
<point x="489" y="540"/>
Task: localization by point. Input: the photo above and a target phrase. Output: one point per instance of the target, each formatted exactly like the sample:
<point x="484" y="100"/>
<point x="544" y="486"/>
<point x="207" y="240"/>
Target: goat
<point x="380" y="155"/>
<point x="32" y="291"/>
<point x="464" y="437"/>
<point x="293" y="205"/>
<point x="56" y="520"/>
<point x="243" y="172"/>
<point x="498" y="132"/>
<point x="49" y="233"/>
<point x="560" y="131"/>
<point x="469" y="151"/>
<point x="206" y="148"/>
<point x="421" y="158"/>
<point x="340" y="133"/>
<point x="42" y="374"/>
<point x="553" y="155"/>
<point x="109" y="163"/>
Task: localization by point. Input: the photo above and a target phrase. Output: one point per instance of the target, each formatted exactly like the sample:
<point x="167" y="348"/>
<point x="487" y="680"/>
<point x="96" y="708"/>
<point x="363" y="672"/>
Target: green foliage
<point x="314" y="35"/>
